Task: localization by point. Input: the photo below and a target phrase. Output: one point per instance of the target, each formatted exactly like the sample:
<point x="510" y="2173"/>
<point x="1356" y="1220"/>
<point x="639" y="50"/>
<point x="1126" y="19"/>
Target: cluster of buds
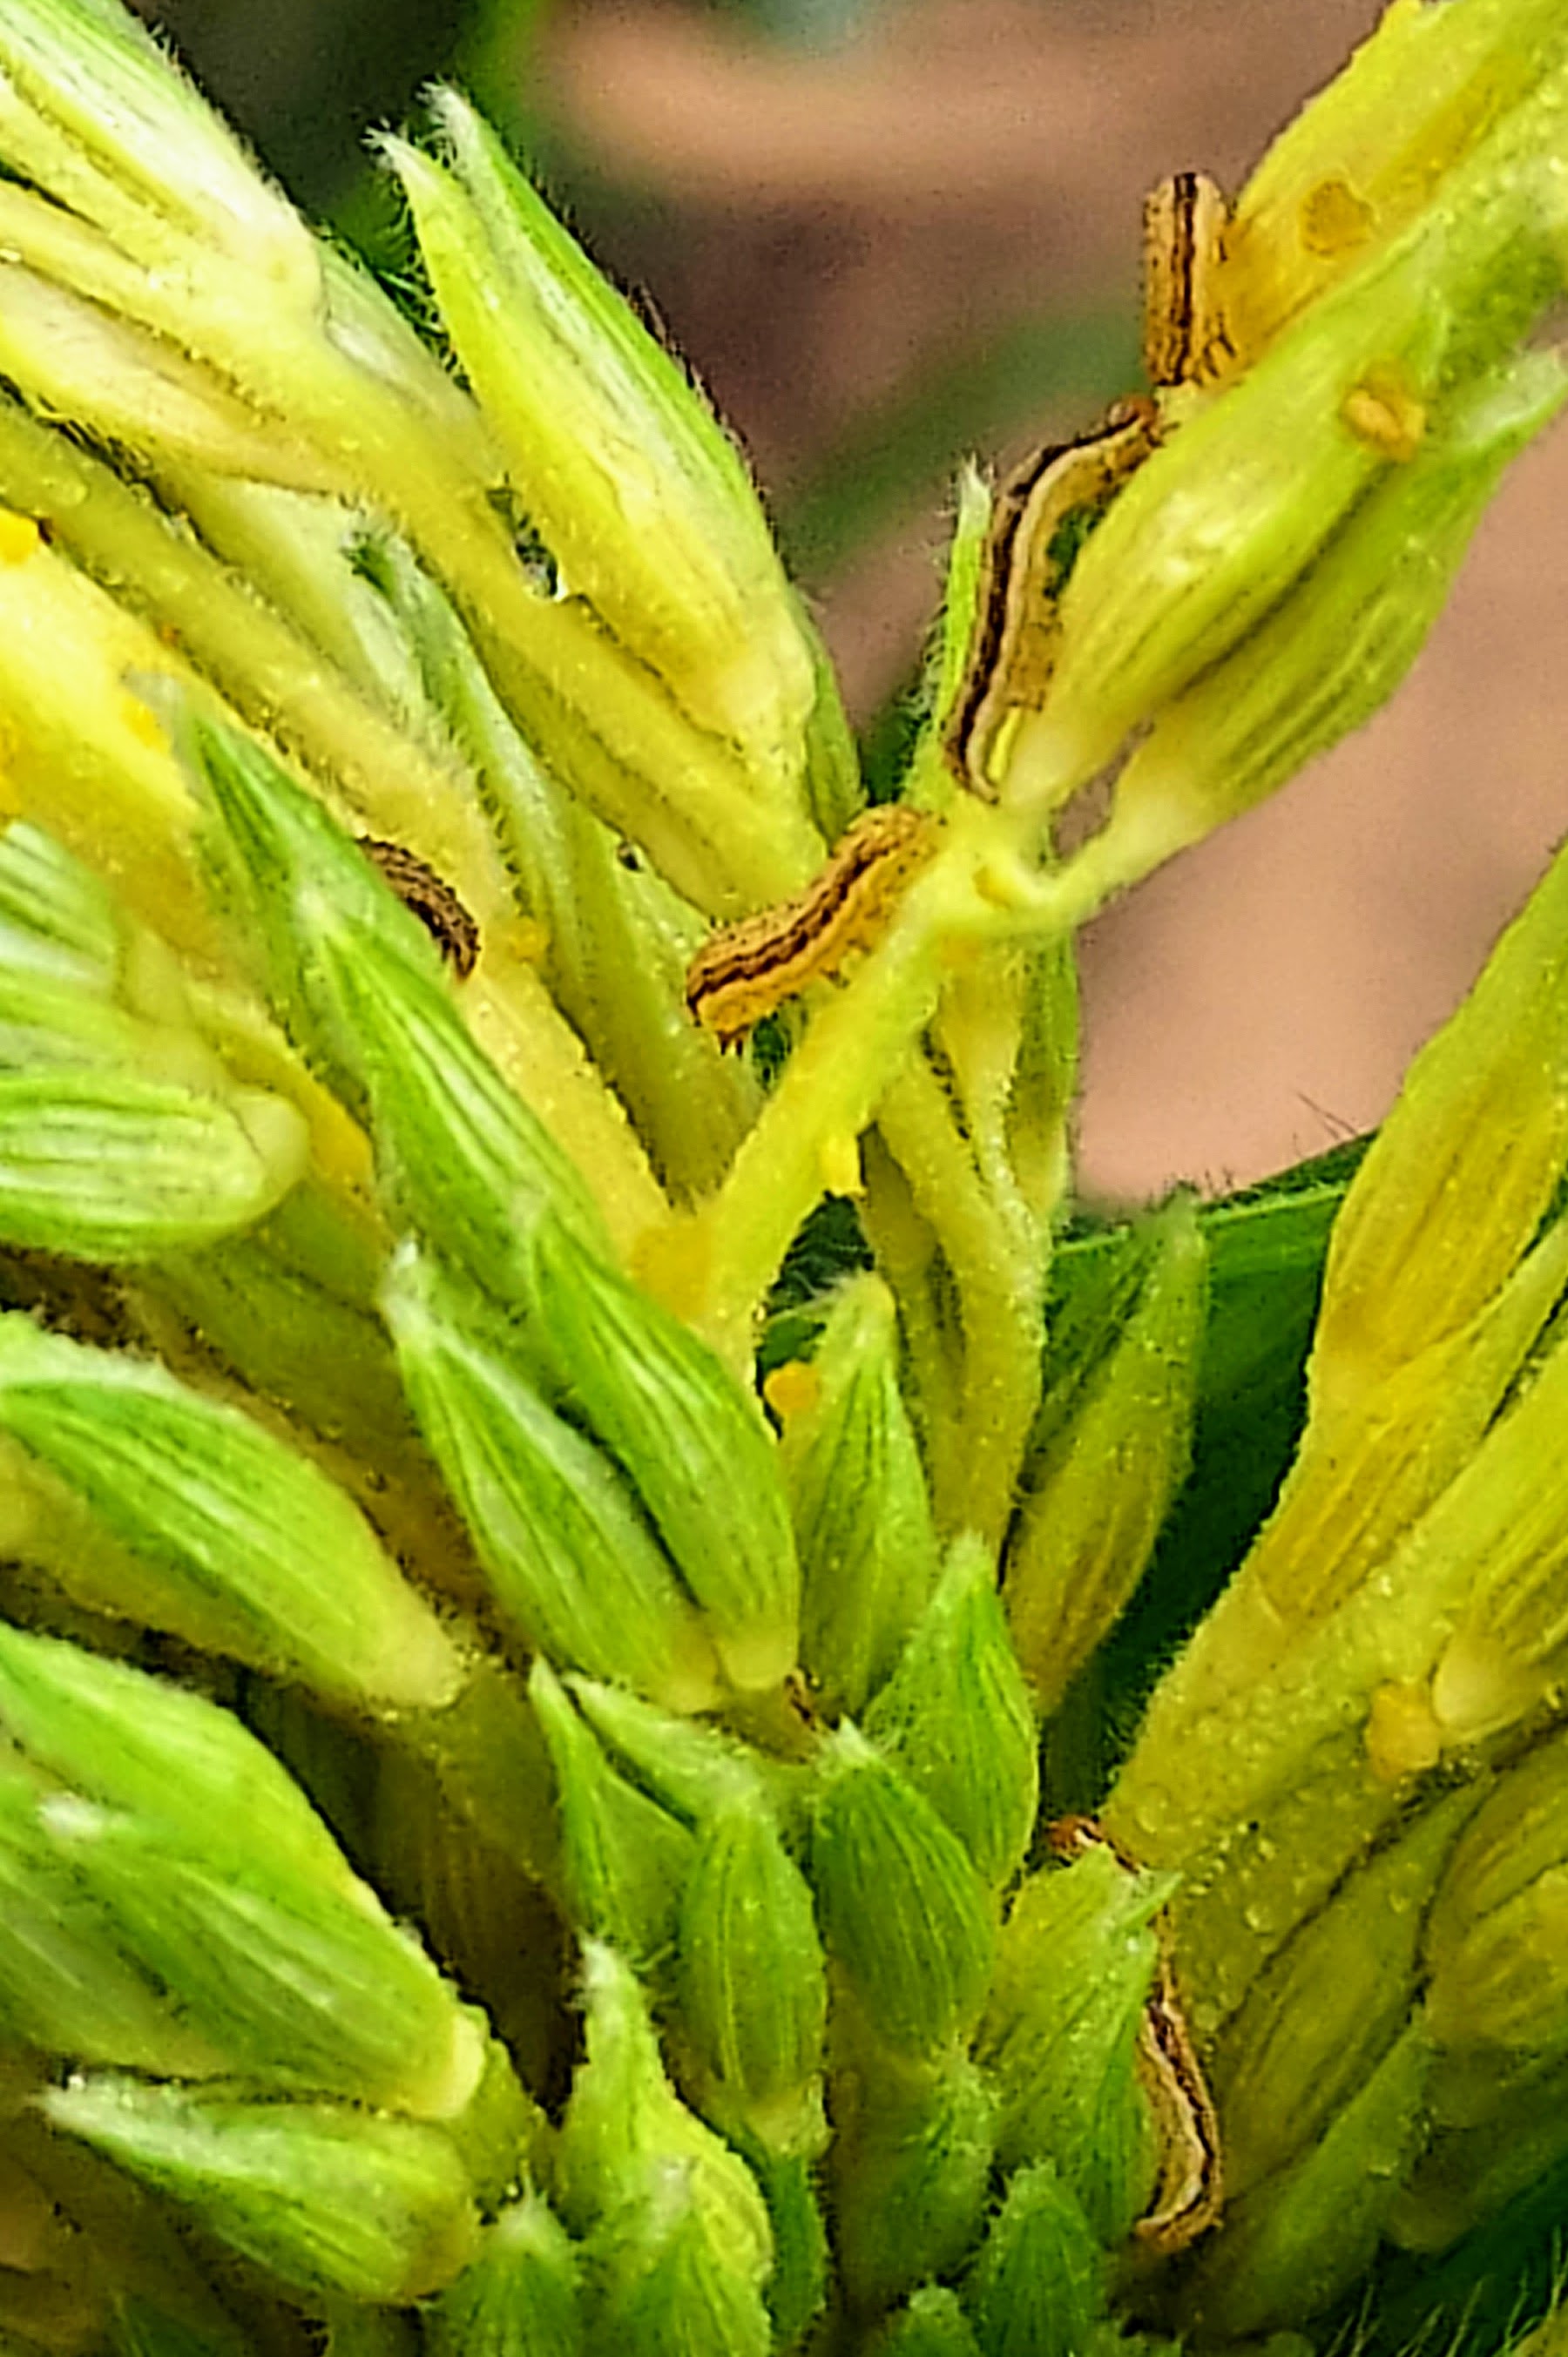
<point x="538" y="1809"/>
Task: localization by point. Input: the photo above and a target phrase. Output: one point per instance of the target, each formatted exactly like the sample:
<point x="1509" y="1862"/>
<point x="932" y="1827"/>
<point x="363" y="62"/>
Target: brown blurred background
<point x="889" y="232"/>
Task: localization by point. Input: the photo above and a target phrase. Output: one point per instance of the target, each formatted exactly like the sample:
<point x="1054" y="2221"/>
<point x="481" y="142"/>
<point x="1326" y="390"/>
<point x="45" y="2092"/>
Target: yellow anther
<point x="19" y="536"/>
<point x="792" y="1389"/>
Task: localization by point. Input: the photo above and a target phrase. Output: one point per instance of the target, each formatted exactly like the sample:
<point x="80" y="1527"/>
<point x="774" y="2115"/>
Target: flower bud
<point x="1224" y="518"/>
<point x="285" y="1986"/>
<point x="1499" y="1621"/>
<point x="1372" y="149"/>
<point x="103" y="1166"/>
<point x="1318" y="2020"/>
<point x="626" y="1861"/>
<point x="1335" y="648"/>
<point x="1299" y="2240"/>
<point x="1456" y="1181"/>
<point x="797" y="2290"/>
<point x="1497" y="1944"/>
<point x="696" y="1771"/>
<point x="955" y="1718"/>
<point x="312" y="559"/>
<point x="44" y="1022"/>
<point x="521" y="2296"/>
<point x="1227" y="516"/>
<point x="912" y="2157"/>
<point x="84" y="755"/>
<point x="1427" y="1243"/>
<point x="1465" y="1623"/>
<point x="903" y="1909"/>
<point x="67" y="1986"/>
<point x="570" y="1561"/>
<point x="138" y="1745"/>
<point x="385" y="346"/>
<point x="57" y="918"/>
<point x="295" y="873"/>
<point x="460" y="1157"/>
<point x="94" y="111"/>
<point x="857" y="1490"/>
<point x="1039" y="2280"/>
<point x="296" y="1324"/>
<point x="692" y="1444"/>
<point x="242" y="1963"/>
<point x="1074" y="1970"/>
<point x="330" y="2199"/>
<point x="1500" y="2131"/>
<point x="1371" y="1462"/>
<point x="73" y="359"/>
<point x="220" y="1529"/>
<point x="670" y="2288"/>
<point x="633" y="484"/>
<point x="932" y="2324"/>
<point x="633" y="2160"/>
<point x="1110" y="1454"/>
<point x="350" y="380"/>
<point x="161" y="217"/>
<point x="616" y="942"/>
<point x="751" y="1984"/>
<point x="358" y="984"/>
<point x="500" y="2132"/>
<point x="1248" y="1886"/>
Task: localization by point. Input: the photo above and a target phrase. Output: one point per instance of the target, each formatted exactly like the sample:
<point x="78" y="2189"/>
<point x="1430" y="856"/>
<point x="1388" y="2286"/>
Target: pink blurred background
<point x="826" y="228"/>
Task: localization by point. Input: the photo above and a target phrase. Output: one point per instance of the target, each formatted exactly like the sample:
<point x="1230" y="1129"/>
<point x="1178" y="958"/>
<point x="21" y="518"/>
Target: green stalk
<point x="999" y="1269"/>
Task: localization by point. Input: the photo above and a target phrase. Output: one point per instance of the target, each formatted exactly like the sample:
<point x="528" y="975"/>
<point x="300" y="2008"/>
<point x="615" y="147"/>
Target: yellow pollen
<point x="1334" y="218"/>
<point x="1382" y="412"/>
<point x="525" y="940"/>
<point x="1404" y="1737"/>
<point x="792" y="1389"/>
<point x="143" y="723"/>
<point x="839" y="1162"/>
<point x="19" y="535"/>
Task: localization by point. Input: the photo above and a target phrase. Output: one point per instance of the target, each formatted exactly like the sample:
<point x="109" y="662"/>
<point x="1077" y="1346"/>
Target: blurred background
<point x="888" y="232"/>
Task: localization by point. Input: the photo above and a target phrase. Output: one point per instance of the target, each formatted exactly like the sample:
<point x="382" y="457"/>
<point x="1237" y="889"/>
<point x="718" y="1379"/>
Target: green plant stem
<point x="910" y="1258"/>
<point x="999" y="1274"/>
<point x="978" y="1028"/>
<point x="984" y="886"/>
<point x="826" y="1097"/>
